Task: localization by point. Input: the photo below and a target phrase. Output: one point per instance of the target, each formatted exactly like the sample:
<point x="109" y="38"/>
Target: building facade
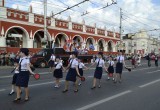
<point x="25" y="29"/>
<point x="141" y="43"/>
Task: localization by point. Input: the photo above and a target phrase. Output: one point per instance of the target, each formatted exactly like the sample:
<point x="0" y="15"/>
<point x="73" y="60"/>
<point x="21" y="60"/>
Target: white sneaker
<point x="56" y="86"/>
<point x="79" y="84"/>
<point x="108" y="78"/>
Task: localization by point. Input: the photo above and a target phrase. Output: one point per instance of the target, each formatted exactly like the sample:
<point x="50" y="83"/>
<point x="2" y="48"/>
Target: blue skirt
<point x="110" y="69"/>
<point x="22" y="79"/>
<point x="51" y="63"/>
<point x="81" y="71"/>
<point x="14" y="78"/>
<point x="71" y="75"/>
<point x="98" y="73"/>
<point x="119" y="68"/>
<point x="58" y="73"/>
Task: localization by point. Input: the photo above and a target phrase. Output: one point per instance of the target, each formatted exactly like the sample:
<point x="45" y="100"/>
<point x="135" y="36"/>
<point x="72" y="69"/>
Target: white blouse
<point x="73" y="63"/>
<point x="58" y="65"/>
<point x="111" y="62"/>
<point x="53" y="58"/>
<point x="81" y="65"/>
<point x="23" y="62"/>
<point x="120" y="59"/>
<point x="101" y="62"/>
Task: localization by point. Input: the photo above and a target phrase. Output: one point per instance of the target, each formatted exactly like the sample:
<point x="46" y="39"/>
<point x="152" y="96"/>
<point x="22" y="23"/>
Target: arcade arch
<point x="101" y="45"/>
<point x="16" y="36"/>
<point x="110" y="46"/>
<point x="90" y="43"/>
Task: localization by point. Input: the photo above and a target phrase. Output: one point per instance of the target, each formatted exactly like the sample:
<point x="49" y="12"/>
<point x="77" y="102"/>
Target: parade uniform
<point x="15" y="76"/>
<point x="99" y="70"/>
<point x="51" y="62"/>
<point x="80" y="68"/>
<point x="111" y="68"/>
<point x="23" y="76"/>
<point x="119" y="65"/>
<point x="72" y="73"/>
<point x="58" y="70"/>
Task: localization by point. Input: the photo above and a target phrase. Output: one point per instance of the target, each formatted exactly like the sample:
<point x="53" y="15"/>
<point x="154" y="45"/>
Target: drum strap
<point x="119" y="59"/>
<point x="20" y="65"/>
<point x="71" y="63"/>
<point x="98" y="63"/>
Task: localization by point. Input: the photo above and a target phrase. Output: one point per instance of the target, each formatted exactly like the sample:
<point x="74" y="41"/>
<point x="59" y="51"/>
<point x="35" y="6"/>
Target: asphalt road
<point x="139" y="90"/>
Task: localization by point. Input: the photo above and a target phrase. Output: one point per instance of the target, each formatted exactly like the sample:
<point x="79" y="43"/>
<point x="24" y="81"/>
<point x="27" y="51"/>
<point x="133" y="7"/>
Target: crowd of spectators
<point x="9" y="58"/>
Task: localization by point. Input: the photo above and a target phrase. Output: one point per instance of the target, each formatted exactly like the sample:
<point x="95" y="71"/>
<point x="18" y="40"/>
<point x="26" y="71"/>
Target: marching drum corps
<point x="74" y="71"/>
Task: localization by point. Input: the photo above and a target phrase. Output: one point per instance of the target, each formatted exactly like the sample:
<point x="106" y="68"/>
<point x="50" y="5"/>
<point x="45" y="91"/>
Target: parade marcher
<point x="80" y="68"/>
<point x="51" y="63"/>
<point x="156" y="60"/>
<point x="119" y="67"/>
<point x="139" y="60"/>
<point x="58" y="71"/>
<point x="149" y="60"/>
<point x="23" y="76"/>
<point x="99" y="70"/>
<point x="14" y="78"/>
<point x="110" y="68"/>
<point x="72" y="73"/>
<point x="133" y="60"/>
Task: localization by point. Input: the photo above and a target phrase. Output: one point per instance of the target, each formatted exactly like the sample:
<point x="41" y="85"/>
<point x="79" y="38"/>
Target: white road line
<point x="152" y="72"/>
<point x="2" y="90"/>
<point x="39" y="84"/>
<point x="150" y="83"/>
<point x="104" y="100"/>
<point x="89" y="76"/>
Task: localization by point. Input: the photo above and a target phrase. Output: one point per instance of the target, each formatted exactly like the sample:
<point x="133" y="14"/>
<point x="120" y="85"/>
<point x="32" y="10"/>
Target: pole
<point x="120" y="27"/>
<point x="45" y="23"/>
<point x="120" y="30"/>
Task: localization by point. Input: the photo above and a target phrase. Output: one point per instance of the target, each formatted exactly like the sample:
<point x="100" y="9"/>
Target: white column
<point x="53" y="22"/>
<point x="3" y="12"/>
<point x="84" y="28"/>
<point x="114" y="47"/>
<point x="105" y="32"/>
<point x="2" y="41"/>
<point x="31" y="17"/>
<point x="70" y="25"/>
<point x="96" y="47"/>
<point x="30" y="43"/>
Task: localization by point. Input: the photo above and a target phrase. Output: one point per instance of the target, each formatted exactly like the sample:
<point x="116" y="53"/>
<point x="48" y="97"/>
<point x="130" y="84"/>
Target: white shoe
<point x="108" y="78"/>
<point x="79" y="84"/>
<point x="56" y="86"/>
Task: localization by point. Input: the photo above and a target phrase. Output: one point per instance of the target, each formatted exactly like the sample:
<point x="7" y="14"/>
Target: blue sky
<point x="137" y="14"/>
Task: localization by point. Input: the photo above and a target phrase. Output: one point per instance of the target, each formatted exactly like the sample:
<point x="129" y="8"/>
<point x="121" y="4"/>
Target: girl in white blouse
<point x="58" y="71"/>
<point x="99" y="70"/>
<point x="110" y="68"/>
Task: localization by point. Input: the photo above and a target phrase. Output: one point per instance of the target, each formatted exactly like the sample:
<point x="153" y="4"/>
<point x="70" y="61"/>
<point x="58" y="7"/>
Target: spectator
<point x="12" y="57"/>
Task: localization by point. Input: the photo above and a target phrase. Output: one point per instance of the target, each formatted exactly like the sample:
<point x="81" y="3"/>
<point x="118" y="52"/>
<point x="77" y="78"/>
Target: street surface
<point x="139" y="90"/>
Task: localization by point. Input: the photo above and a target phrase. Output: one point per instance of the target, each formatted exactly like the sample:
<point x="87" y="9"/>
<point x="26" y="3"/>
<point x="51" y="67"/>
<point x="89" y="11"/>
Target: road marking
<point x="104" y="100"/>
<point x="152" y="72"/>
<point x="89" y="76"/>
<point x="150" y="83"/>
<point x="2" y="90"/>
<point x="39" y="84"/>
